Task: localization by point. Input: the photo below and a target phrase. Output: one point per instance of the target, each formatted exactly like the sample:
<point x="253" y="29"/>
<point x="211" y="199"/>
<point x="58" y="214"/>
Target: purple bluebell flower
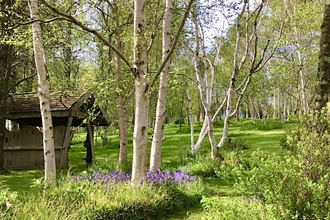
<point x="154" y="178"/>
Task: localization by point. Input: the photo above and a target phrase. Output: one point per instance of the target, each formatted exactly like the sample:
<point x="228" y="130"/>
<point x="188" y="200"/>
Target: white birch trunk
<point x="155" y="156"/>
<point x="191" y="120"/>
<point x="140" y="68"/>
<point x="301" y="79"/>
<point x="274" y="105"/>
<point x="121" y="104"/>
<point x="205" y="86"/>
<point x="283" y="113"/>
<point x="237" y="66"/>
<point x="43" y="92"/>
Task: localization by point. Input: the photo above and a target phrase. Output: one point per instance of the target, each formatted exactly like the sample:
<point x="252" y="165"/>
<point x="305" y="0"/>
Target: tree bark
<point x="140" y="68"/>
<point x="155" y="155"/>
<point x="122" y="106"/>
<point x="323" y="86"/>
<point x="5" y="71"/>
<point x="43" y="93"/>
<point x="191" y="119"/>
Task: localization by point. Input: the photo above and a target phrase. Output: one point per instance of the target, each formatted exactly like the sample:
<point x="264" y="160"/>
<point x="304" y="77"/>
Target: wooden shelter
<point x="24" y="149"/>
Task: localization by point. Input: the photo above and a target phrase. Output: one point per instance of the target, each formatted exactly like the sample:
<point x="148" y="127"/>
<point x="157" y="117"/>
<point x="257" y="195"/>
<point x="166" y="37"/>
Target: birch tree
<point x="251" y="43"/>
<point x="248" y="59"/>
<point x="139" y="70"/>
<point x="44" y="97"/>
<point x="155" y="155"/>
<point x="205" y="81"/>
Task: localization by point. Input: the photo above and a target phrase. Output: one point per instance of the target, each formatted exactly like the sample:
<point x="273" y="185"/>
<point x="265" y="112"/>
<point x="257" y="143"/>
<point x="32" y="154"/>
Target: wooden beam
<point x="91" y="138"/>
<point x="80" y="101"/>
<point x="66" y="143"/>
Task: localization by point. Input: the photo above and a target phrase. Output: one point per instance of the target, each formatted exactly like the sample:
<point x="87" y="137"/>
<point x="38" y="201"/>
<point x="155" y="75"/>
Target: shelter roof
<point x="25" y="108"/>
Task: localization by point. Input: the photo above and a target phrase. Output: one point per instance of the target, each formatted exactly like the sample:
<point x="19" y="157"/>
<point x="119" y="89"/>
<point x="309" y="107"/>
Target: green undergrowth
<point x="85" y="201"/>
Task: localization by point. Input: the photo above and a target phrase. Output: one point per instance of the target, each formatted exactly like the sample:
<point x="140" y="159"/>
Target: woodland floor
<point x="263" y="137"/>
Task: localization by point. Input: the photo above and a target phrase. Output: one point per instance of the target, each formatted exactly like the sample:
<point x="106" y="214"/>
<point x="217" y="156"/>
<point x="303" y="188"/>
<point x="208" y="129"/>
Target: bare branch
<point x="129" y="6"/>
<point x="70" y="18"/>
<point x="153" y="34"/>
<point x="32" y="21"/>
<point x="185" y="75"/>
<point x="22" y="80"/>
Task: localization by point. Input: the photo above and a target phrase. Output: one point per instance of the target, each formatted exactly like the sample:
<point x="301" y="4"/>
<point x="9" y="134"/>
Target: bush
<point x="8" y="202"/>
<point x="109" y="195"/>
<point x="298" y="182"/>
<point x="239" y="208"/>
<point x="200" y="164"/>
<point x="270" y="125"/>
<point x="236" y="144"/>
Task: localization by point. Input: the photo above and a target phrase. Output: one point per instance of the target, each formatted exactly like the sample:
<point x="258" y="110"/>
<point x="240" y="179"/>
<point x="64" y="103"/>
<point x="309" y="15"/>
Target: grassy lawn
<point x="175" y="147"/>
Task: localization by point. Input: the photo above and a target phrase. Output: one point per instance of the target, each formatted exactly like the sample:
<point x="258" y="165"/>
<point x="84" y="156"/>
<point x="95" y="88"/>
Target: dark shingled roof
<point x="25" y="109"/>
<point x="29" y="102"/>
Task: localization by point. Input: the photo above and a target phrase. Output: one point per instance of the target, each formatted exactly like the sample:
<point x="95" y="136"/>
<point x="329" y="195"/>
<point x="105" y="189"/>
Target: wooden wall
<point x="24" y="149"/>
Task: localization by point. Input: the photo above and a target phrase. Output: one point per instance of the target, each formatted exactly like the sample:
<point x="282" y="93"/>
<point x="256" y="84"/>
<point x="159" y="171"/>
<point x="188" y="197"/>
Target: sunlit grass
<point x="175" y="148"/>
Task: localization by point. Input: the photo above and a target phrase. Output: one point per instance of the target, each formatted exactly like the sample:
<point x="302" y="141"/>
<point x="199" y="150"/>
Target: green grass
<point x="175" y="147"/>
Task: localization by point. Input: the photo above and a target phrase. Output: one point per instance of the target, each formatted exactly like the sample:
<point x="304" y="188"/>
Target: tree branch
<point x="70" y="18"/>
<point x="22" y="80"/>
<point x="32" y="21"/>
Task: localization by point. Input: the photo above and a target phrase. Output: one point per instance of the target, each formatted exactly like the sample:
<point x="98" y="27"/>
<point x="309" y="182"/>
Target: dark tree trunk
<point x="88" y="146"/>
<point x="323" y="86"/>
<point x="5" y="66"/>
<point x="5" y="53"/>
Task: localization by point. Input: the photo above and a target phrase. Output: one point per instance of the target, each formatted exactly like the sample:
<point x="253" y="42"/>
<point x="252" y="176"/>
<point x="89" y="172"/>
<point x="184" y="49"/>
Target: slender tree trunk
<point x="121" y="104"/>
<point x="5" y="71"/>
<point x="155" y="156"/>
<point x="43" y="92"/>
<point x="283" y="113"/>
<point x="274" y="105"/>
<point x="3" y="109"/>
<point x="205" y="86"/>
<point x="323" y="87"/>
<point x="302" y="81"/>
<point x="140" y="68"/>
<point x="5" y="56"/>
<point x="191" y="119"/>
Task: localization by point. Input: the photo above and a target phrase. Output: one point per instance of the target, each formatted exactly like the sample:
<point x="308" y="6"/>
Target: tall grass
<point x="86" y="200"/>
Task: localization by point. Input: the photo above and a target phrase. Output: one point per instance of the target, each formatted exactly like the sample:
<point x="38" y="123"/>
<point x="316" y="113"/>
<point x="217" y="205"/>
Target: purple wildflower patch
<point x="177" y="177"/>
<point x="158" y="177"/>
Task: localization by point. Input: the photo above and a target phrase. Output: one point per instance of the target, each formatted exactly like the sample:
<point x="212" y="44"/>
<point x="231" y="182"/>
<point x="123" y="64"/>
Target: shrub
<point x="200" y="164"/>
<point x="270" y="125"/>
<point x="109" y="195"/>
<point x="238" y="208"/>
<point x="8" y="201"/>
<point x="298" y="182"/>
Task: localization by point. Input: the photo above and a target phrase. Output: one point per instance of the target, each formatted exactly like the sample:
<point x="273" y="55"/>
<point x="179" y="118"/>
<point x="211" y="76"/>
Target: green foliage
<point x="86" y="200"/>
<point x="238" y="208"/>
<point x="236" y="144"/>
<point x="8" y="202"/>
<point x="299" y="182"/>
<point x="200" y="164"/>
<point x="259" y="125"/>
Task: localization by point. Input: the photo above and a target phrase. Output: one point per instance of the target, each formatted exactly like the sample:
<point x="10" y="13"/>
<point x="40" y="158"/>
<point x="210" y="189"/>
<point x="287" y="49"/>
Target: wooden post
<point x="91" y="138"/>
<point x="66" y="144"/>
